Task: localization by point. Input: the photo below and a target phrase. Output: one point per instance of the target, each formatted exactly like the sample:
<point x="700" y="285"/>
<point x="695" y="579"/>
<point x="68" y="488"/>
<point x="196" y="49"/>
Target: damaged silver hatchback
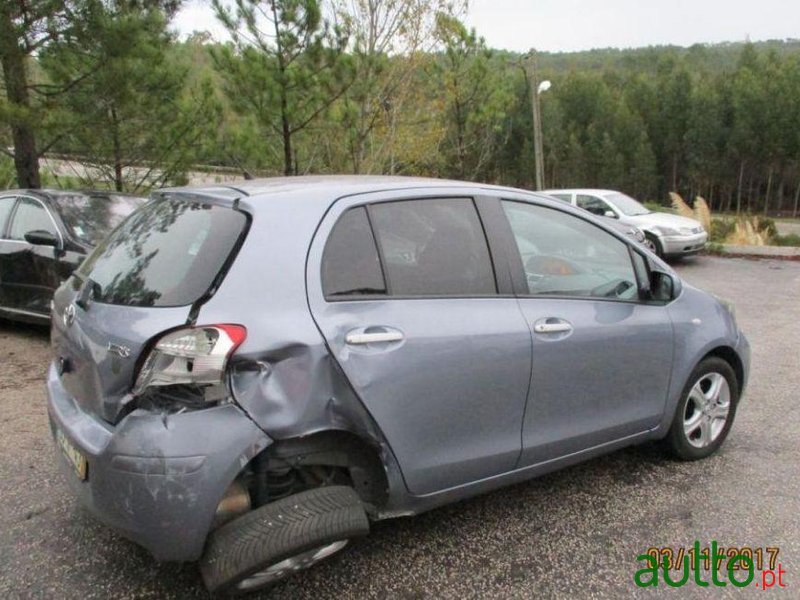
<point x="248" y="376"/>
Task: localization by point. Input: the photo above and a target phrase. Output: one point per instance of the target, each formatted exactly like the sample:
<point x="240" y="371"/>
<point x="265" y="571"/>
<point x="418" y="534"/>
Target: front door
<point x="601" y="357"/>
<point x="407" y="298"/>
<point x="31" y="274"/>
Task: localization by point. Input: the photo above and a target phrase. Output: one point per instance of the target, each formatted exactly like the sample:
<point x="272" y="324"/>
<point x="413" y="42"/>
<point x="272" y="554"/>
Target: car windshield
<point x="627" y="205"/>
<point x="91" y="217"/>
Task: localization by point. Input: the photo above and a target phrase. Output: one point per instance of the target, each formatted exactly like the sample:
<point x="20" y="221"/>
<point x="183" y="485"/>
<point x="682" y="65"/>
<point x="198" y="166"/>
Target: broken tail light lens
<point x="191" y="358"/>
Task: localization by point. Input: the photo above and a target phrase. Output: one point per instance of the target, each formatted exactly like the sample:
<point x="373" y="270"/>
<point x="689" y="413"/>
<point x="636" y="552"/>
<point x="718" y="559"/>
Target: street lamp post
<point x="537" y="88"/>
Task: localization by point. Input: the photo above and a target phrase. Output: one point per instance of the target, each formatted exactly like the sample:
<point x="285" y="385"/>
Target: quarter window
<point x="350" y="263"/>
<point x="565" y="255"/>
<point x="30" y="216"/>
<point x="6" y="204"/>
<point x="433" y="247"/>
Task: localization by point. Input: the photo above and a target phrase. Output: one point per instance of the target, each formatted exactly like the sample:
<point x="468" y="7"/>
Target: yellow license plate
<point x="73" y="455"/>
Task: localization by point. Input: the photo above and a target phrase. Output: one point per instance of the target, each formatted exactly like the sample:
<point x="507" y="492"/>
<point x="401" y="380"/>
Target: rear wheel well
<point x="333" y="457"/>
<point x="729" y="355"/>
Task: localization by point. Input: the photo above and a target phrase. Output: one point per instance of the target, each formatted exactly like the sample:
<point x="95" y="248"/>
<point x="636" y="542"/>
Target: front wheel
<point x="652" y="243"/>
<point x="275" y="540"/>
<point x="705" y="411"/>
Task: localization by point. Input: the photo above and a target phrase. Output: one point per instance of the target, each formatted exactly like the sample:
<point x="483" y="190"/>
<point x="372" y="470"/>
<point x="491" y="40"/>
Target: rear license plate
<point x="73" y="455"/>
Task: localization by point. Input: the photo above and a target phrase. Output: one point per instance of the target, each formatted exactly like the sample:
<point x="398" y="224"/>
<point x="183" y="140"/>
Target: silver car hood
<point x="655" y="219"/>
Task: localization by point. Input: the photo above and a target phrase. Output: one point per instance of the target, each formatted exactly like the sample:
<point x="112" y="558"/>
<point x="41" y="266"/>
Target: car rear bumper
<point x="684" y="244"/>
<point x="155" y="478"/>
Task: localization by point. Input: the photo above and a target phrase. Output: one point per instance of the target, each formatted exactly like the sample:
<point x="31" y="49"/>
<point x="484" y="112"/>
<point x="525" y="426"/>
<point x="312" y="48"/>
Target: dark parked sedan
<point x="44" y="235"/>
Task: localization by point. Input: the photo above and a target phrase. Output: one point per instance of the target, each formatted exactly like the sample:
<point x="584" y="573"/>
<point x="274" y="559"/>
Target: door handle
<point x="559" y="327"/>
<point x="356" y="338"/>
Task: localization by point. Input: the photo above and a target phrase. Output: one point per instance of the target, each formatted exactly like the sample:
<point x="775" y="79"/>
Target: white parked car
<point x="665" y="234"/>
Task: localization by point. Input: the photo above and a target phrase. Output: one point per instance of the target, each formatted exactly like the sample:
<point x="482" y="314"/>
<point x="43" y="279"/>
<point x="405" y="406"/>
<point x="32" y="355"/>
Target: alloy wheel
<point x="289" y="565"/>
<point x="707" y="410"/>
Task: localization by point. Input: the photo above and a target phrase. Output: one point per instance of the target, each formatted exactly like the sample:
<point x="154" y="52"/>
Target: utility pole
<point x="538" y="150"/>
<point x="537" y="87"/>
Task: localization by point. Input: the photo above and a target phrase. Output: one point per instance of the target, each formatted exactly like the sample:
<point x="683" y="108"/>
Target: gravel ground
<point x="573" y="534"/>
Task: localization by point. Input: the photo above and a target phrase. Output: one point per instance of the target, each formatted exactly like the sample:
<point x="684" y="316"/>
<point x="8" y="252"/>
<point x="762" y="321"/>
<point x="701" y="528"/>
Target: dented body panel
<point x="157" y="479"/>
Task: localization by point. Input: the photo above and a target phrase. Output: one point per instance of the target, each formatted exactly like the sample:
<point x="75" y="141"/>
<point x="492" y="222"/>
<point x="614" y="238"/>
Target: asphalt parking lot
<point x="575" y="533"/>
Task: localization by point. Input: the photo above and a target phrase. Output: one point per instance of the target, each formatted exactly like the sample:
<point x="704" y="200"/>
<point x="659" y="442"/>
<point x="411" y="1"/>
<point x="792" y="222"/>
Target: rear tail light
<point x="194" y="357"/>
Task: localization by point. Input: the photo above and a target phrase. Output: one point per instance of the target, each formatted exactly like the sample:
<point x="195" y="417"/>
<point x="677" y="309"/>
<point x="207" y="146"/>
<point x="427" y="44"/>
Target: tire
<point x="652" y="243"/>
<point x="696" y="431"/>
<point x="277" y="539"/>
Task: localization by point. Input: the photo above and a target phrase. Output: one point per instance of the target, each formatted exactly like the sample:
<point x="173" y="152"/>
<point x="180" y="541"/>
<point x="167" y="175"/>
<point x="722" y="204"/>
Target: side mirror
<point x="610" y="214"/>
<point x="40" y="237"/>
<point x="663" y="286"/>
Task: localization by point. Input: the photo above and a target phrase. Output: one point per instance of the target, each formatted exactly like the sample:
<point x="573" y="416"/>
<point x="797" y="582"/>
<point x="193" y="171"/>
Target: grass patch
<point x="791" y="239"/>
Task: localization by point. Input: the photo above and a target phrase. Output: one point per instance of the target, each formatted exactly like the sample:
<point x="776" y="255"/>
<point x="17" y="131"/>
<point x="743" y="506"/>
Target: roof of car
<point x="595" y="191"/>
<point x="55" y="193"/>
<point x="343" y="185"/>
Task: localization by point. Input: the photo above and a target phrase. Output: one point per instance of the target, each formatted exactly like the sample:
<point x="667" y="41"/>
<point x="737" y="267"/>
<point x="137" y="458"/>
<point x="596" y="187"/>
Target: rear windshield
<point x="167" y="253"/>
<point x="90" y="217"/>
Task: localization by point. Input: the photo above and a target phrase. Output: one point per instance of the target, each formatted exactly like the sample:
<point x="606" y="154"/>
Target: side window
<point x="593" y="204"/>
<point x="433" y="247"/>
<point x="30" y="216"/>
<point x="566" y="256"/>
<point x="6" y="204"/>
<point x="564" y="197"/>
<point x="350" y="263"/>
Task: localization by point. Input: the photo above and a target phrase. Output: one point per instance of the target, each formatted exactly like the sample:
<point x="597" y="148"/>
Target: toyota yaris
<point x="248" y="376"/>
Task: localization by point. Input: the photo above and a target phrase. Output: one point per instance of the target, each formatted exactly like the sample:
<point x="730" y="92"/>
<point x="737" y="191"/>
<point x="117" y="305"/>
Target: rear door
<point x="404" y="289"/>
<point x="30" y="269"/>
<point x="139" y="282"/>
<point x="601" y="357"/>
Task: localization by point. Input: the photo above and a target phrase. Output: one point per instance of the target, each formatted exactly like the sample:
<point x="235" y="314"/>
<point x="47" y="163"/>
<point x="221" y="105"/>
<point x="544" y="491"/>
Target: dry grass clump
<point x="744" y="231"/>
<point x="680" y="206"/>
<point x="747" y="232"/>
<point x="701" y="212"/>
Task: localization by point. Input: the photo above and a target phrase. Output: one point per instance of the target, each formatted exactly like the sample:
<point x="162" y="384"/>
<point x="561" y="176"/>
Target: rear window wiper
<point x="359" y="291"/>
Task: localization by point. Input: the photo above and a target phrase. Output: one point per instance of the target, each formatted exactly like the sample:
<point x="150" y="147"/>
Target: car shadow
<point x="28" y="330"/>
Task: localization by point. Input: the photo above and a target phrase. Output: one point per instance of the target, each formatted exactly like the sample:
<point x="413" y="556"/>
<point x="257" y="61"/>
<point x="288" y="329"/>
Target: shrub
<point x="791" y="239"/>
<point x="656" y="206"/>
<point x="721" y="229"/>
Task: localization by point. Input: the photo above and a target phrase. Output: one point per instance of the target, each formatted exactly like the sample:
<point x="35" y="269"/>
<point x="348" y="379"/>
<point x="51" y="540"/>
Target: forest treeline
<point x="388" y="86"/>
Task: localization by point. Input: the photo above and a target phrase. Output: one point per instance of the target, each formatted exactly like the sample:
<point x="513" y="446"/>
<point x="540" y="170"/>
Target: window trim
<point x="474" y="198"/>
<point x="13" y="215"/>
<point x="4" y="230"/>
<point x="378" y="252"/>
<point x="518" y="269"/>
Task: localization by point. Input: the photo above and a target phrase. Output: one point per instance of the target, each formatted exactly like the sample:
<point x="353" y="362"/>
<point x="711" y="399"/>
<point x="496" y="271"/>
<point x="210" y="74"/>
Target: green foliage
<point x="8" y="173"/>
<point x="386" y="86"/>
<point x="476" y="101"/>
<point x="657" y="206"/>
<point x="721" y="229"/>
<point x="284" y="67"/>
<point x="127" y="109"/>
<point x="791" y="239"/>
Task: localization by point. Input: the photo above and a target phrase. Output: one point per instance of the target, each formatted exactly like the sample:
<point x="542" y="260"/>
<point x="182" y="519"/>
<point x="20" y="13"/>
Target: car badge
<point x="121" y="351"/>
<point x="69" y="315"/>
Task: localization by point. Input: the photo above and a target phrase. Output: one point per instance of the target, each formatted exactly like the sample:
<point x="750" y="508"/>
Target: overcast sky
<point x="567" y="25"/>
